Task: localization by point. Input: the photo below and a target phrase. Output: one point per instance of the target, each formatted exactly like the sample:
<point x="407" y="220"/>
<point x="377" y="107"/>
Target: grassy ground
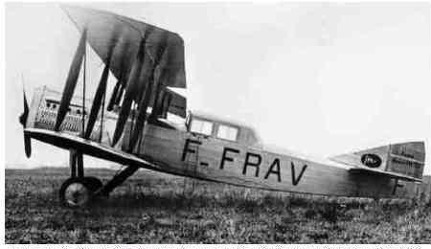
<point x="156" y="208"/>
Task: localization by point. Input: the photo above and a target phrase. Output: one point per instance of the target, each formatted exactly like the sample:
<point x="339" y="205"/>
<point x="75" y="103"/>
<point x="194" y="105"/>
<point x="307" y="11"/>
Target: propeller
<point x="23" y="121"/>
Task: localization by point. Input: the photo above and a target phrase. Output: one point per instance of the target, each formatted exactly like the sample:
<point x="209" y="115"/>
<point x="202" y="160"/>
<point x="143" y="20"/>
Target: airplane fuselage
<point x="209" y="158"/>
<point x="233" y="155"/>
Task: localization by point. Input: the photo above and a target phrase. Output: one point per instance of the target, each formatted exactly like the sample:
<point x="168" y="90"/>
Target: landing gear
<point x="93" y="183"/>
<point x="78" y="190"/>
<point x="75" y="192"/>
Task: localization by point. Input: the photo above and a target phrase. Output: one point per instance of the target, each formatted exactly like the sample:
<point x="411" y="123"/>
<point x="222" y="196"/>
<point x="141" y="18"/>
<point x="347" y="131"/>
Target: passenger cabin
<point x="206" y="125"/>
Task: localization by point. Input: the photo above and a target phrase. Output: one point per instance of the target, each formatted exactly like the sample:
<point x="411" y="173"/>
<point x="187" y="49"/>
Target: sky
<point x="317" y="78"/>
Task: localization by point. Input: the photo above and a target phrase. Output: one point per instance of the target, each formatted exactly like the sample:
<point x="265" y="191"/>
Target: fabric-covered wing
<point x="102" y="26"/>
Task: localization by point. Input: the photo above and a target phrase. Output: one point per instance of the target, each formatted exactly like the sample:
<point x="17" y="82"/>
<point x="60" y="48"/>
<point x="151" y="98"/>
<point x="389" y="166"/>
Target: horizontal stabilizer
<point x="404" y="160"/>
<point x="385" y="173"/>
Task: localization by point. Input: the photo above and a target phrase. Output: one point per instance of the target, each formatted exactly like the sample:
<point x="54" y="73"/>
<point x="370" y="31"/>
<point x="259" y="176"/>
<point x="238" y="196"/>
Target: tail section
<point x="402" y="159"/>
<point x="407" y="159"/>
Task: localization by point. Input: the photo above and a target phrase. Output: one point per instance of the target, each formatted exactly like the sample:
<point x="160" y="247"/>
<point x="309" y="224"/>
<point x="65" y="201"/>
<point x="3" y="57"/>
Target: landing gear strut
<point x="78" y="190"/>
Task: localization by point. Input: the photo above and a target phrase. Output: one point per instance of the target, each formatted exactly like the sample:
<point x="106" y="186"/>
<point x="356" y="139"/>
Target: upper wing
<point x="102" y="26"/>
<point x="145" y="60"/>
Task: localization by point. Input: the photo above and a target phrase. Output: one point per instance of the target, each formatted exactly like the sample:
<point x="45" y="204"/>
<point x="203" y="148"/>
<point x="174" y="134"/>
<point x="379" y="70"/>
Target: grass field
<point x="157" y="208"/>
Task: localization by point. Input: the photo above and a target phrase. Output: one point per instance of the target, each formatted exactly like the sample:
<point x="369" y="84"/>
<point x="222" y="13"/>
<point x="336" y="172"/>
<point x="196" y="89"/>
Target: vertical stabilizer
<point x="406" y="159"/>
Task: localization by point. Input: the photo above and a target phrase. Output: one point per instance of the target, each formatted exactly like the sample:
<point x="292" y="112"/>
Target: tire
<point x="93" y="183"/>
<point x="75" y="192"/>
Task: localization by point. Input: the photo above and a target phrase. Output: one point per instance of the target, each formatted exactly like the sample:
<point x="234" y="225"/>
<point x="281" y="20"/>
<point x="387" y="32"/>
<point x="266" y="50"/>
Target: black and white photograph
<point x="217" y="122"/>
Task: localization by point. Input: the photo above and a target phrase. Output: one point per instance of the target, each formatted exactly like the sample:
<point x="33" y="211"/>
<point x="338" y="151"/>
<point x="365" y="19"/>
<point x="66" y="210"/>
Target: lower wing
<point x="67" y="141"/>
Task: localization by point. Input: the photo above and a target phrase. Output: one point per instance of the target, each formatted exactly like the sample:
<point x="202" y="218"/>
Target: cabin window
<point x="202" y="127"/>
<point x="227" y="132"/>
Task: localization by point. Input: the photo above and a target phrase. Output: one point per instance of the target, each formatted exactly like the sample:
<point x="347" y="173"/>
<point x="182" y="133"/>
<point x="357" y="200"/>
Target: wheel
<point x="93" y="183"/>
<point x="75" y="192"/>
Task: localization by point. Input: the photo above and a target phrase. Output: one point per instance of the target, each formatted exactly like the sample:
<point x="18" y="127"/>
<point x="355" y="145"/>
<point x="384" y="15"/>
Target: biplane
<point x="144" y="123"/>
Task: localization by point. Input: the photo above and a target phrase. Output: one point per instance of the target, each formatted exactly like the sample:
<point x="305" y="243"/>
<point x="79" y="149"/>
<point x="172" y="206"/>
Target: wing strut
<point x="119" y="87"/>
<point x="71" y="81"/>
<point x="132" y="87"/>
<point x="97" y="102"/>
<point x="166" y="71"/>
<point x="145" y="100"/>
<point x="101" y="90"/>
<point x="131" y="90"/>
<point x="102" y="24"/>
<point x="113" y="96"/>
<point x="84" y="81"/>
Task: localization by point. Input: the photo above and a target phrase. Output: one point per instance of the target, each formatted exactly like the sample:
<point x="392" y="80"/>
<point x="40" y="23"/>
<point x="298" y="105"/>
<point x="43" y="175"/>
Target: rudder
<point x="406" y="159"/>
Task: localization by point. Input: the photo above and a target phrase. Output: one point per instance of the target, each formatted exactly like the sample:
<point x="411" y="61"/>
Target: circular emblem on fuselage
<point x="371" y="160"/>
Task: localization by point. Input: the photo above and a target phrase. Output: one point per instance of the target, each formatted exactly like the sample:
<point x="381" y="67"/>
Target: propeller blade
<point x="23" y="120"/>
<point x="24" y="115"/>
<point x="71" y="81"/>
